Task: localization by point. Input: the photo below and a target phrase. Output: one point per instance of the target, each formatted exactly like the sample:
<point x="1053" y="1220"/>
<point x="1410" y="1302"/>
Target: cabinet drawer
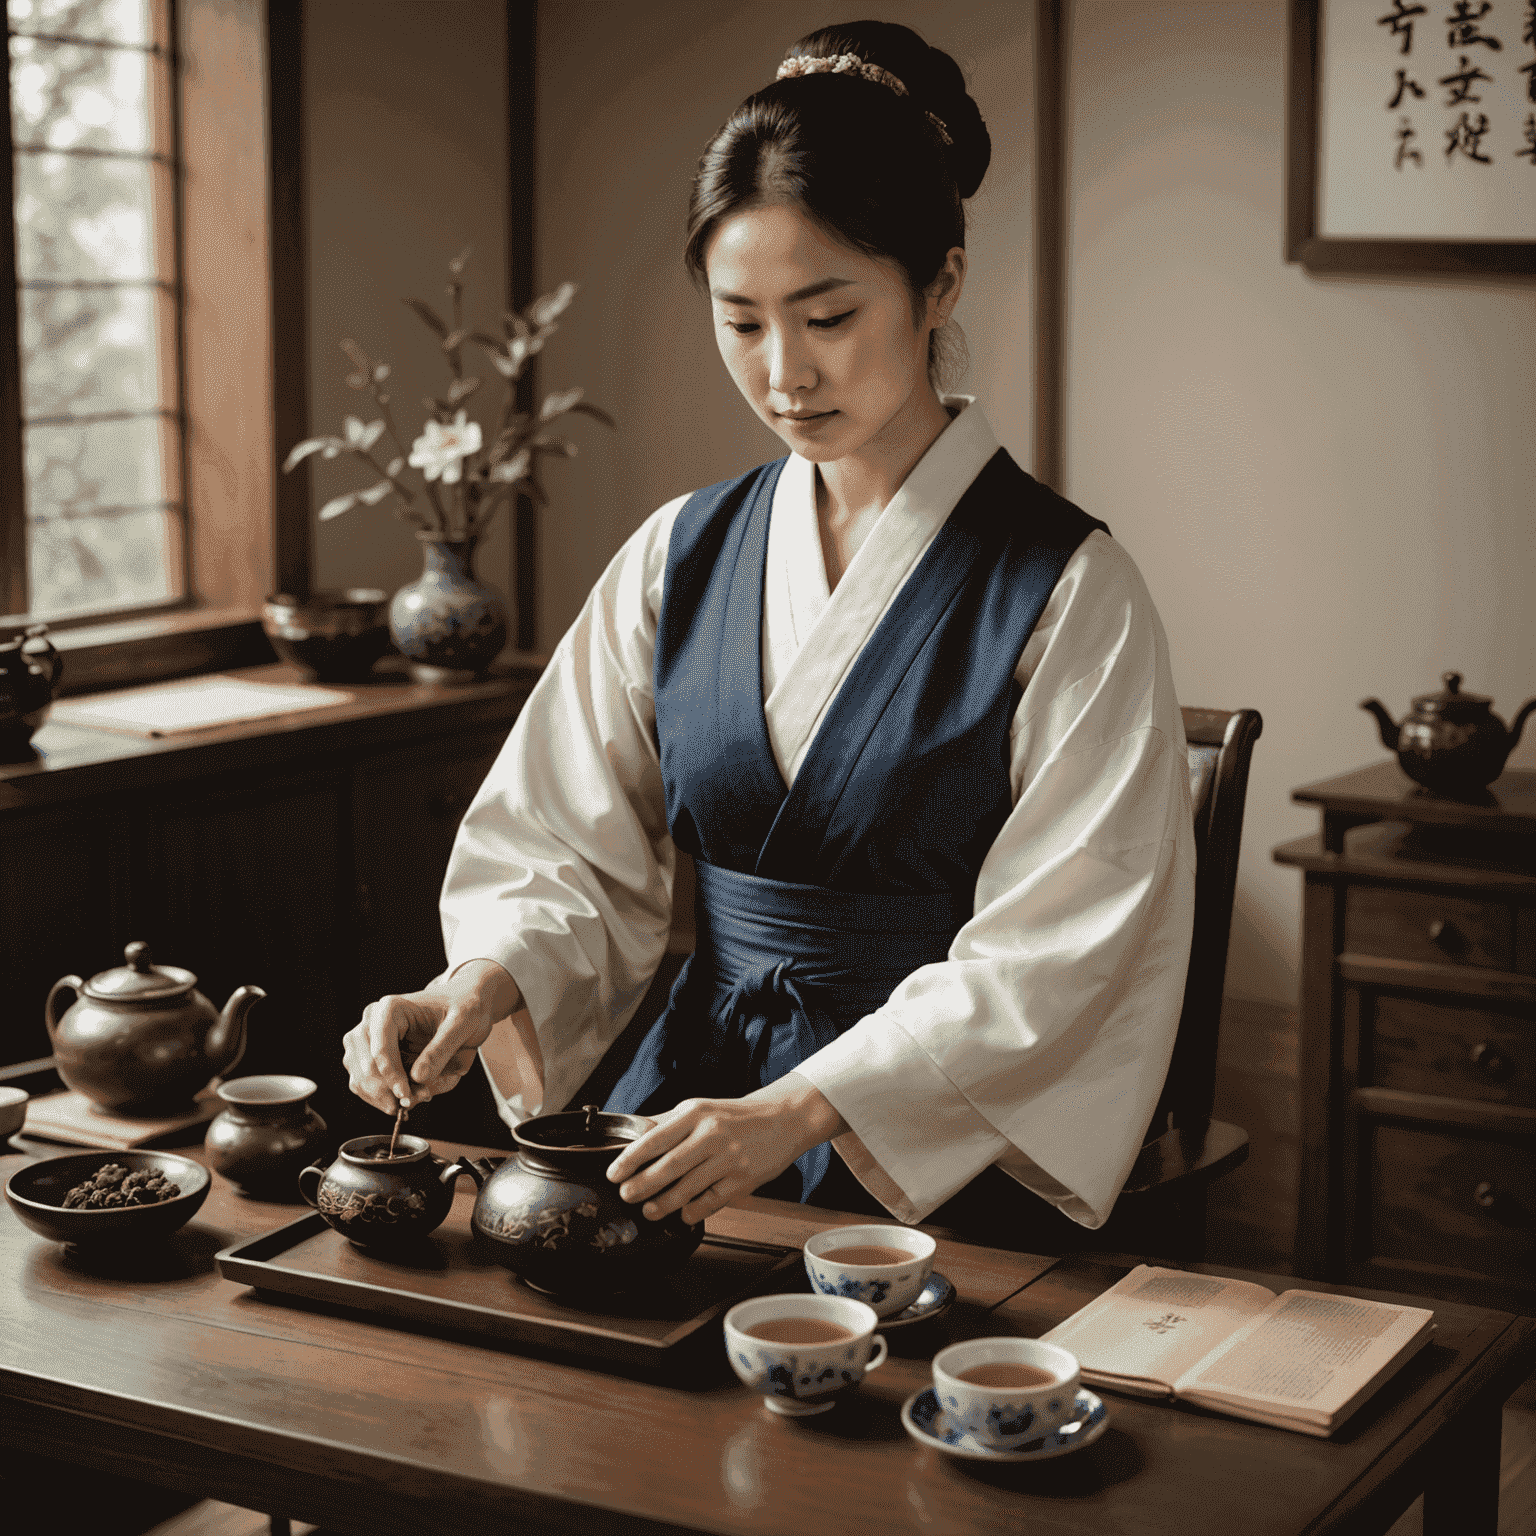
<point x="1465" y="1205"/>
<point x="1402" y="924"/>
<point x="1459" y="1053"/>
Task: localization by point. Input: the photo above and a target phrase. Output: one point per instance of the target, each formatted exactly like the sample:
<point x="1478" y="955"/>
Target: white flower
<point x="441" y="450"/>
<point x="360" y="437"/>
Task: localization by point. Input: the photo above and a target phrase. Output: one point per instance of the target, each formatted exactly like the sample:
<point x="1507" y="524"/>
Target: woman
<point x="910" y="712"/>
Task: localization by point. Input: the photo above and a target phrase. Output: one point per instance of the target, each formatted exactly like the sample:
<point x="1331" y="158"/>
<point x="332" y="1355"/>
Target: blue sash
<point x="815" y="901"/>
<point x="780" y="971"/>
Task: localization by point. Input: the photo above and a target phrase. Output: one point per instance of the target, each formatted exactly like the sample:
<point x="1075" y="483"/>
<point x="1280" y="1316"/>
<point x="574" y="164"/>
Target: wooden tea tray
<point x="447" y="1284"/>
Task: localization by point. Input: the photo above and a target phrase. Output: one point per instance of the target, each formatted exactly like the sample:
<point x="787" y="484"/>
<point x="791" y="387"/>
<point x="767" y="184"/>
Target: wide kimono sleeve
<point x="1042" y="1042"/>
<point x="562" y="869"/>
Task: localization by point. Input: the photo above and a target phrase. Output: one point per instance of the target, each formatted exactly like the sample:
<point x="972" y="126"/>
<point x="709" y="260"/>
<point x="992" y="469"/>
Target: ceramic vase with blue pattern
<point x="449" y="626"/>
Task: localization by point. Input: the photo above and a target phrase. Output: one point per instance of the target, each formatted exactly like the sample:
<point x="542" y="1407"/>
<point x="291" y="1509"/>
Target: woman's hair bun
<point x="932" y="78"/>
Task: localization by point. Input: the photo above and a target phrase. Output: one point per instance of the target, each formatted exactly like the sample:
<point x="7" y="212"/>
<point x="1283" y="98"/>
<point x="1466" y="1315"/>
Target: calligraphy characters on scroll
<point x="1468" y="25"/>
<point x="1424" y="115"/>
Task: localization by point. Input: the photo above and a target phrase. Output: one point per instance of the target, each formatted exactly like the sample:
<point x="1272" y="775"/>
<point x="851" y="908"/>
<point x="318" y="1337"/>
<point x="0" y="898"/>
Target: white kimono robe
<point x="1042" y="1042"/>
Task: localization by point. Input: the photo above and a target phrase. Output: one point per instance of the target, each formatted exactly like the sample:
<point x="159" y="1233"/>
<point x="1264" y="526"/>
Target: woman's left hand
<point x="706" y="1153"/>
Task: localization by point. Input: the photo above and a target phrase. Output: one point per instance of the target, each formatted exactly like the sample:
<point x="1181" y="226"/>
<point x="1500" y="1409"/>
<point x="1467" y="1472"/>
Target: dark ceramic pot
<point x="382" y="1203"/>
<point x="549" y="1214"/>
<point x="332" y="637"/>
<point x="448" y="625"/>
<point x="30" y="670"/>
<point x="140" y="1039"/>
<point x="264" y="1135"/>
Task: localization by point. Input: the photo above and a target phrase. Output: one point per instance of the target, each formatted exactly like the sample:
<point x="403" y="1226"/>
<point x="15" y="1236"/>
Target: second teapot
<point x="1451" y="742"/>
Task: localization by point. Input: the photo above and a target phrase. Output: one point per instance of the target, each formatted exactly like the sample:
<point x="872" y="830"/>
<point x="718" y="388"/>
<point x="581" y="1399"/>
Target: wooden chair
<point x="1162" y="1207"/>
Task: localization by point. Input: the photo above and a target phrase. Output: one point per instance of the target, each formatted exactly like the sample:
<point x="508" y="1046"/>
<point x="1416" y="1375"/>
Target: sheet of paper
<point x="1155" y="1324"/>
<point x="1311" y="1354"/>
<point x="193" y="704"/>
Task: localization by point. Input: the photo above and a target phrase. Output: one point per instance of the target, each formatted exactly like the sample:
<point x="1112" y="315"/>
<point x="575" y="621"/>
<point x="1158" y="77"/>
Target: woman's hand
<point x="432" y="1035"/>
<point x="708" y="1152"/>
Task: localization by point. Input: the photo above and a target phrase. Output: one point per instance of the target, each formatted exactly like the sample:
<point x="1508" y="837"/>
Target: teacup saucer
<point x="926" y="1422"/>
<point x="934" y="1298"/>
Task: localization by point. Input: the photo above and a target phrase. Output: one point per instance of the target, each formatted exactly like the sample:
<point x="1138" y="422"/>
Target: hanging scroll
<point x="1413" y="134"/>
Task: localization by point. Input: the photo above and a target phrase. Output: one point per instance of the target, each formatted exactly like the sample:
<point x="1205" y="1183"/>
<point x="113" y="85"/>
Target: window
<point x="97" y="224"/>
<point x="212" y="391"/>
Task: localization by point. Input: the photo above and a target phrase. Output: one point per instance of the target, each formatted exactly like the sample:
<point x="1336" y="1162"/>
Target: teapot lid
<point x="139" y="981"/>
<point x="1451" y="703"/>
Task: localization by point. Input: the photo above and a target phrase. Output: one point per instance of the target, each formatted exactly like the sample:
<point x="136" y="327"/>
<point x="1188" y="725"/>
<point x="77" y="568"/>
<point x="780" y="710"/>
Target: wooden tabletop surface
<point x="165" y="1370"/>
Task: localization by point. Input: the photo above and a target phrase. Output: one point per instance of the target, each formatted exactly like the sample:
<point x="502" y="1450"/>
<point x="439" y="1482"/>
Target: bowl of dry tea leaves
<point x="97" y="1198"/>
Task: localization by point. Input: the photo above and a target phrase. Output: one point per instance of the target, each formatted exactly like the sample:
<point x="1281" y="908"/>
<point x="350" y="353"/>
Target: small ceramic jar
<point x="264" y="1135"/>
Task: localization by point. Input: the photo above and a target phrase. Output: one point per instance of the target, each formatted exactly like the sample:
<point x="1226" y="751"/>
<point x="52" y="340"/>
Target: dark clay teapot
<point x="1452" y="742"/>
<point x="380" y="1200"/>
<point x="550" y="1215"/>
<point x="30" y="669"/>
<point x="140" y="1039"/>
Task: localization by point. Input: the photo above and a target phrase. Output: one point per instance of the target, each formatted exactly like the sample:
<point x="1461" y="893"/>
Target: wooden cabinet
<point x="1418" y="1059"/>
<point x="303" y="856"/>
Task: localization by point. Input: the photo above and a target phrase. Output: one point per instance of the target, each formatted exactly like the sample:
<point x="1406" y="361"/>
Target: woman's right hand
<point x="410" y="1046"/>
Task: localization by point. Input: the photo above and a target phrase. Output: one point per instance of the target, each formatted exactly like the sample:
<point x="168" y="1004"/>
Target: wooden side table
<point x="1418" y="1048"/>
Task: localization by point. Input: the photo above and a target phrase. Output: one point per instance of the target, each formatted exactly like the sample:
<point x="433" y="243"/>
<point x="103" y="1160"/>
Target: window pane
<point x="68" y="97"/>
<point x="87" y="219"/>
<point x="97" y="304"/>
<point x="96" y="493"/>
<point x="85" y="350"/>
<point x="118" y="21"/>
<point x="132" y="560"/>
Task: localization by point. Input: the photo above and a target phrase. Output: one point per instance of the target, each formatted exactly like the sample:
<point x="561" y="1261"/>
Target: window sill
<point x="98" y="657"/>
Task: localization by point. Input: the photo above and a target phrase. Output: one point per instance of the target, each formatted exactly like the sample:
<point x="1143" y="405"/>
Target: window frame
<point x="239" y="216"/>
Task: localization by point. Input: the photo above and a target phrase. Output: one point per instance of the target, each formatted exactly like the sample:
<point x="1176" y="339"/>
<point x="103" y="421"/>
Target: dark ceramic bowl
<point x="334" y="637"/>
<point x="36" y="1193"/>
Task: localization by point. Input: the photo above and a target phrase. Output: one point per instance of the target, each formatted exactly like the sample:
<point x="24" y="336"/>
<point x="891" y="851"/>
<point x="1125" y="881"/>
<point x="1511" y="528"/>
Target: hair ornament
<point x="852" y="64"/>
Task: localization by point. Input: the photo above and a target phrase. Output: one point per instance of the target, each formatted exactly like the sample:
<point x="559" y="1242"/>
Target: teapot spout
<point x="1384" y="721"/>
<point x="226" y="1040"/>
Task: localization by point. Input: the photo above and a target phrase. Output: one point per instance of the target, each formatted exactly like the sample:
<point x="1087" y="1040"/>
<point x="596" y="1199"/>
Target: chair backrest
<point x="1220" y="744"/>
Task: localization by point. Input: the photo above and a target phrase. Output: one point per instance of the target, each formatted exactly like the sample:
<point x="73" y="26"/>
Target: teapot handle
<point x="38" y="633"/>
<point x="63" y="984"/>
<point x="453" y="1170"/>
<point x="309" y="1183"/>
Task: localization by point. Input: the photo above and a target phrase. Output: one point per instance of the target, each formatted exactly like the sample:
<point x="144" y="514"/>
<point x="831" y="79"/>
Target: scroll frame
<point x="1318" y="253"/>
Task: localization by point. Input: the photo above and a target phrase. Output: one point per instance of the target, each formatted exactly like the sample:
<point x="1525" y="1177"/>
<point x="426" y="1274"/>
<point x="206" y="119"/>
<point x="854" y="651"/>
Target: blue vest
<point x="815" y="901"/>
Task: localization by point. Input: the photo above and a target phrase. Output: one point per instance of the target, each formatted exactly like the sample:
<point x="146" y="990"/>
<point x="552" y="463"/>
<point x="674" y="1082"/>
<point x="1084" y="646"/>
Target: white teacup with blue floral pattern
<point x="799" y="1377"/>
<point x="1007" y="1417"/>
<point x="888" y="1288"/>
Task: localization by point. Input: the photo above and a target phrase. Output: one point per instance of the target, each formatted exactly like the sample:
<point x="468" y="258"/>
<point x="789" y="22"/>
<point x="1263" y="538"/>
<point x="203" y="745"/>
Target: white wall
<point x="1326" y="480"/>
<point x="629" y="95"/>
<point x="406" y="118"/>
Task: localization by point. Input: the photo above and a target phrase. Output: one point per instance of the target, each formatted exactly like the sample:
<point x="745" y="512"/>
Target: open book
<point x="1301" y="1360"/>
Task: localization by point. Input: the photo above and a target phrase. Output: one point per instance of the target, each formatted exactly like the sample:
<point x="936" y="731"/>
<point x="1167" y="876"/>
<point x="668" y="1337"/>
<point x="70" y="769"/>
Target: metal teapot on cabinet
<point x="1451" y="742"/>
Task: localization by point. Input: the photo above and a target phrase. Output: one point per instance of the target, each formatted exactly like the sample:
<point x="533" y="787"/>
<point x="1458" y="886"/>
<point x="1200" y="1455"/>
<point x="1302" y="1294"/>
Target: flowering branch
<point x="464" y="479"/>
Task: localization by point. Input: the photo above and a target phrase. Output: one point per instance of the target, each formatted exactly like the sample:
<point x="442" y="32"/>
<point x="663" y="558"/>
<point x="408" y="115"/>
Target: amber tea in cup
<point x="866" y="1253"/>
<point x="800" y="1330"/>
<point x="1006" y="1374"/>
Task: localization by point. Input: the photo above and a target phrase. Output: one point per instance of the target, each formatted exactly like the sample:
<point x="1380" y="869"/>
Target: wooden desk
<point x="182" y="1378"/>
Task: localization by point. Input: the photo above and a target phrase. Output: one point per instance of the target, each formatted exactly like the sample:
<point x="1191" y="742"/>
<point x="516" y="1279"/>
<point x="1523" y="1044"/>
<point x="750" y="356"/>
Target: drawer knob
<point x="1486" y="1195"/>
<point x="1491" y="1062"/>
<point x="1447" y="936"/>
